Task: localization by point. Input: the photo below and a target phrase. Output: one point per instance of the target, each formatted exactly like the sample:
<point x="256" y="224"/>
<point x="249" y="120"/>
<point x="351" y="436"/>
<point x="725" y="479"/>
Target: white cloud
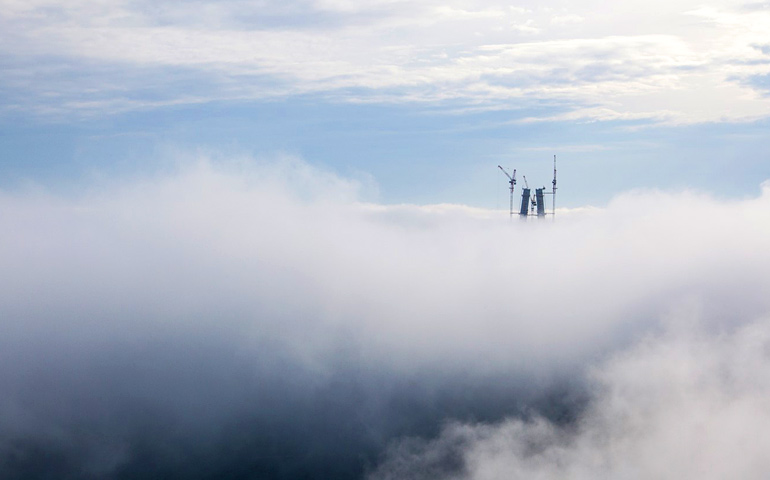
<point x="477" y="283"/>
<point x="272" y="293"/>
<point x="690" y="403"/>
<point x="585" y="57"/>
<point x="567" y="19"/>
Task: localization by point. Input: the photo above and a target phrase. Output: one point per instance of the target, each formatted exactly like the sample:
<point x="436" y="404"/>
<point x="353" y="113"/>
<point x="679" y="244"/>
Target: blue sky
<point x="423" y="99"/>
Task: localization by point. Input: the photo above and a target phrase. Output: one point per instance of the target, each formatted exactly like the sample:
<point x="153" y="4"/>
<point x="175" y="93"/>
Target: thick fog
<point x="269" y="320"/>
<point x="687" y="404"/>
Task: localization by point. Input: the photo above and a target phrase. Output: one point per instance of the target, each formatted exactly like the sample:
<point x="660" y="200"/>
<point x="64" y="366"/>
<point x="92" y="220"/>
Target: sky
<point x="251" y="239"/>
<point x="427" y="98"/>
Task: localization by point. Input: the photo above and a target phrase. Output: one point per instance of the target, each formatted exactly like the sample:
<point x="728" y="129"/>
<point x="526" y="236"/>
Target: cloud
<point x="684" y="404"/>
<point x="659" y="61"/>
<point x="260" y="318"/>
<point x="567" y="19"/>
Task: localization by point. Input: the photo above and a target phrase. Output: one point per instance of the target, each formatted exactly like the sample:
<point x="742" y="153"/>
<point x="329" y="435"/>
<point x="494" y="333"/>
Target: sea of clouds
<point x="251" y="319"/>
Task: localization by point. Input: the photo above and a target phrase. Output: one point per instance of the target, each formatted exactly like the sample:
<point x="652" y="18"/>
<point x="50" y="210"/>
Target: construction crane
<point x="512" y="182"/>
<point x="554" y="186"/>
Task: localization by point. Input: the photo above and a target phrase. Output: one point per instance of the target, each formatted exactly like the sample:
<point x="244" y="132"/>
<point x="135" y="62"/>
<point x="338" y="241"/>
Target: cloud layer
<point x="685" y="404"/>
<point x="678" y="62"/>
<point x="261" y="319"/>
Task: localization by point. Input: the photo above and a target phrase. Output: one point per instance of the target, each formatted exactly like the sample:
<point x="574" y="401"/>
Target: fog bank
<point x="261" y="320"/>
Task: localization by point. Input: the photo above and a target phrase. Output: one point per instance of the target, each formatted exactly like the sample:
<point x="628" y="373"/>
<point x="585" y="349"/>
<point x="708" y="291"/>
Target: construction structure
<point x="532" y="205"/>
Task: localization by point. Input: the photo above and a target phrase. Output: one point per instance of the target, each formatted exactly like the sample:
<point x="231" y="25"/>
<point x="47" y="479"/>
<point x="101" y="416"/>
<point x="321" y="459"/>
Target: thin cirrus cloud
<point x="260" y="319"/>
<point x="678" y="63"/>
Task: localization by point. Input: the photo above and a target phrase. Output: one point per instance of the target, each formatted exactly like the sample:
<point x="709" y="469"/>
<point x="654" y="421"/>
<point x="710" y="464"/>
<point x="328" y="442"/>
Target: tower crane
<point x="554" y="186"/>
<point x="512" y="182"/>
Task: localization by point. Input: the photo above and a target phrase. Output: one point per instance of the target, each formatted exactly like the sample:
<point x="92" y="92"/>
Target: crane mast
<point x="554" y="187"/>
<point x="512" y="182"/>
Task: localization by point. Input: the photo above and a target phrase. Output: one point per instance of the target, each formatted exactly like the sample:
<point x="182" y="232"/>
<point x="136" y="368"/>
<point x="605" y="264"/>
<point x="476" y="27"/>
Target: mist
<point x="253" y="319"/>
<point x="685" y="404"/>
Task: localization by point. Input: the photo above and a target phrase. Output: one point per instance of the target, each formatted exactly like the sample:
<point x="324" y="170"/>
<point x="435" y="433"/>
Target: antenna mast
<point x="554" y="186"/>
<point x="512" y="182"/>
